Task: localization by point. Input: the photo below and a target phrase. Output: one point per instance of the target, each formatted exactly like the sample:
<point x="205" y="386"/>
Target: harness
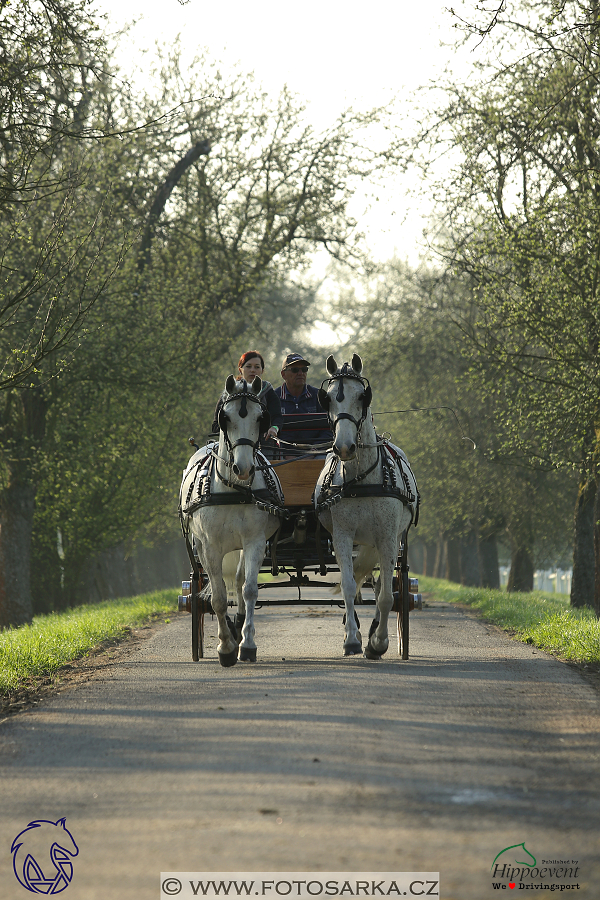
<point x="330" y="494"/>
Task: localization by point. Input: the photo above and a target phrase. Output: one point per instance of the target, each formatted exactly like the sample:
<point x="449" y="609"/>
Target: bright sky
<point x="331" y="53"/>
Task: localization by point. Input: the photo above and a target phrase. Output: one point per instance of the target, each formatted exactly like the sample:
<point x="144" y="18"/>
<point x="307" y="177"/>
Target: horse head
<point x="346" y="400"/>
<point x="242" y="420"/>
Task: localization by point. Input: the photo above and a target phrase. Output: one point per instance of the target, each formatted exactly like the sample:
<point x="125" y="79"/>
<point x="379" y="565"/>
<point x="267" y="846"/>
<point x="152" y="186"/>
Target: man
<point x="297" y="396"/>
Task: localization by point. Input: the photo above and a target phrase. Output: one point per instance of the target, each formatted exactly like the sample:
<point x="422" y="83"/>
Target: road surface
<point x="309" y="762"/>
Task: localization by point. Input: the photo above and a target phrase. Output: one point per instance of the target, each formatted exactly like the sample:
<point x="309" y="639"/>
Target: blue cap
<point x="292" y="358"/>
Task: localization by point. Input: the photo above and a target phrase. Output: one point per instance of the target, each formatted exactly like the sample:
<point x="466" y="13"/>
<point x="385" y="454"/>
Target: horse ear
<point x="323" y="398"/>
<point x="230" y="384"/>
<point x="256" y="384"/>
<point x="357" y="363"/>
<point x="331" y="364"/>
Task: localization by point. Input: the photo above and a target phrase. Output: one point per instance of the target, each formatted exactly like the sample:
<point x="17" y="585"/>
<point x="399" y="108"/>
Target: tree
<point x="474" y="493"/>
<point x="218" y="232"/>
<point x="52" y="63"/>
<point x="522" y="221"/>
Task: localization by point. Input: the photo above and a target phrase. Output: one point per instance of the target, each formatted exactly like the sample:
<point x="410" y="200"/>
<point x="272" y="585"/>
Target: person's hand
<point x="272" y="432"/>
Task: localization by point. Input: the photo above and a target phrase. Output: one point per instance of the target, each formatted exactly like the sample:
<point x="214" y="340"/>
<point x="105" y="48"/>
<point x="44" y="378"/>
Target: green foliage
<point x="140" y="276"/>
<point x="522" y="219"/>
<point x="449" y="427"/>
<point x="39" y="650"/>
<point x="54" y="261"/>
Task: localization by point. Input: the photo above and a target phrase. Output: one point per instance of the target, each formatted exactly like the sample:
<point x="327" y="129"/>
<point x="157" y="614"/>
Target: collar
<point x="285" y="394"/>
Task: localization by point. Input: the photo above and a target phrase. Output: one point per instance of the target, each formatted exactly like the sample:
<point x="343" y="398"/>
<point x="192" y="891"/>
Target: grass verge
<point x="39" y="650"/>
<point x="543" y="619"/>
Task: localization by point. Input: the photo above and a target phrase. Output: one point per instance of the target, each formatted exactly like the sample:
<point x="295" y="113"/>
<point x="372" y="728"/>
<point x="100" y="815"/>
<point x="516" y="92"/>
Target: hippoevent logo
<point x="42" y="856"/>
<point x="515" y="868"/>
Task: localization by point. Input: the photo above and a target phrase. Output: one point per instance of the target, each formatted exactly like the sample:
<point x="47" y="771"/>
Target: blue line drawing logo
<point x="42" y="856"/>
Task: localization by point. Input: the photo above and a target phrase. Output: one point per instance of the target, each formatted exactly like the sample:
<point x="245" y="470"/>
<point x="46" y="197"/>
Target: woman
<point x="250" y="365"/>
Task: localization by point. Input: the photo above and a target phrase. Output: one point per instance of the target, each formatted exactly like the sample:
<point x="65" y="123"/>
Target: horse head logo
<point x="513" y="852"/>
<point x="42" y="856"/>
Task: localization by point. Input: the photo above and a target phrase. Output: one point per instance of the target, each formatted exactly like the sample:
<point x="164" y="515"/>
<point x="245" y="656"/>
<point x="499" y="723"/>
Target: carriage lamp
<point x="184" y="600"/>
<point x="413" y="594"/>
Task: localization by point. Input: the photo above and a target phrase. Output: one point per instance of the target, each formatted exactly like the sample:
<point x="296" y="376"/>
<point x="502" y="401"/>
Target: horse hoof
<point x="353" y="649"/>
<point x="247" y="654"/>
<point x="228" y="659"/>
<point x="371" y="653"/>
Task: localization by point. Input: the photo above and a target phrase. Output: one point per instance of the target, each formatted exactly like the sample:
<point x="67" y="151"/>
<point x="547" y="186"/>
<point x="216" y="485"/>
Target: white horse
<point x="220" y="502"/>
<point x="365" y="495"/>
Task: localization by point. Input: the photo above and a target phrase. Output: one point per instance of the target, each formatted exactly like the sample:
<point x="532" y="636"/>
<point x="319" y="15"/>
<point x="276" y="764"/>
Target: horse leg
<point x="253" y="557"/>
<point x="343" y="555"/>
<point x="227" y="646"/>
<point x="239" y="584"/>
<point x="378" y="634"/>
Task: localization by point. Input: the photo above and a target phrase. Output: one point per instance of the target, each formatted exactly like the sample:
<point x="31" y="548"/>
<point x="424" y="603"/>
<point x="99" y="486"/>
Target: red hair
<point x="249" y="354"/>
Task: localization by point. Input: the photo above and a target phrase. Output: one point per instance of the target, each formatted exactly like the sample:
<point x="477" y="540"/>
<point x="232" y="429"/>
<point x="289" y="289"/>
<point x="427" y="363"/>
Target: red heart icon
<point x="511" y="886"/>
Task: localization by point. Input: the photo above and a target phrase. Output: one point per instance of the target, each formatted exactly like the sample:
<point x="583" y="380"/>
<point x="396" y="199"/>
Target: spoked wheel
<point x="197" y="620"/>
<point x="403" y="584"/>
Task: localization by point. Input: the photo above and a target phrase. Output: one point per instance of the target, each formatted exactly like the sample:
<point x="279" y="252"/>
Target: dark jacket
<point x="307" y="402"/>
<point x="268" y="398"/>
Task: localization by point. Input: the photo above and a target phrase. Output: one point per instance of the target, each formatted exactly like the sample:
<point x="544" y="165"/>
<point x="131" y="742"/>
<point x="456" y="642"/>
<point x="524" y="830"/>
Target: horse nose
<point x="345" y="451"/>
<point x="243" y="476"/>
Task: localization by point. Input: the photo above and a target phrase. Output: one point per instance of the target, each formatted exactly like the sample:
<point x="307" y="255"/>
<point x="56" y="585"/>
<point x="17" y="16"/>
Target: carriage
<point x="301" y="548"/>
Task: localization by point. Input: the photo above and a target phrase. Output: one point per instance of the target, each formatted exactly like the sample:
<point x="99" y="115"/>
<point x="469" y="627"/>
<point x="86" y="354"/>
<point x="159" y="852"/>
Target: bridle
<point x="324" y="399"/>
<point x="263" y="425"/>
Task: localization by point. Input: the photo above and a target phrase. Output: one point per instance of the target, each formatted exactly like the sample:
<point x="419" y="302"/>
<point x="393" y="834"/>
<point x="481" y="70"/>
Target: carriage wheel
<point x="197" y="621"/>
<point x="403" y="585"/>
<point x="404" y="623"/>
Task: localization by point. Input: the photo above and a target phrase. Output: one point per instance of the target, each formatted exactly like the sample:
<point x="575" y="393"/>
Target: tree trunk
<point x="582" y="584"/>
<point x="16" y="522"/>
<point x="488" y="554"/>
<point x="453" y="571"/>
<point x="441" y="556"/>
<point x="424" y="567"/>
<point x="429" y="555"/>
<point x="521" y="570"/>
<point x="470" y="562"/>
<point x="596" y="604"/>
<point x="202" y="148"/>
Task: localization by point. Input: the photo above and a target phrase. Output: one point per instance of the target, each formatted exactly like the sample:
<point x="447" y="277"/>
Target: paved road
<point x="307" y="761"/>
